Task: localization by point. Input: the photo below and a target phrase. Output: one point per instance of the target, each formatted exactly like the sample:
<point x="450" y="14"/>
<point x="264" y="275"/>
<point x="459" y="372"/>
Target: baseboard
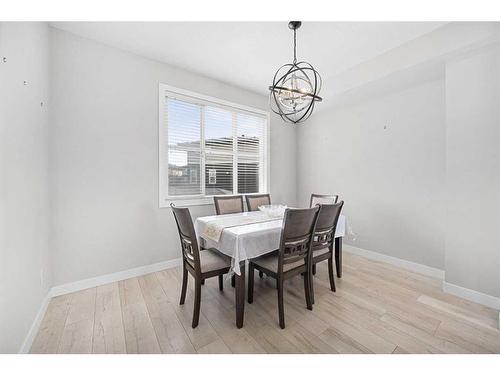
<point x="459" y="291"/>
<point x="472" y="295"/>
<point x="89" y="283"/>
<point x="468" y="294"/>
<point x="406" y="264"/>
<point x="35" y="326"/>
<point x="112" y="277"/>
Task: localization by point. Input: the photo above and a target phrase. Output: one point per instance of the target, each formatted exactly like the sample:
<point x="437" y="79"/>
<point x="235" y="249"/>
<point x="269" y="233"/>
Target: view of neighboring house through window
<point x="208" y="148"/>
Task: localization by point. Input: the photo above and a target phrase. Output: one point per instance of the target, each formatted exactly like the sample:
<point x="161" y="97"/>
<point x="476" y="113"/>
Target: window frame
<point x="194" y="97"/>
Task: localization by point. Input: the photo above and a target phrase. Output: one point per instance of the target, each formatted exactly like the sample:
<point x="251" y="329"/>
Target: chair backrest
<point x="322" y="199"/>
<point x="324" y="233"/>
<point x="189" y="244"/>
<point x="228" y="204"/>
<point x="254" y="201"/>
<point x="297" y="235"/>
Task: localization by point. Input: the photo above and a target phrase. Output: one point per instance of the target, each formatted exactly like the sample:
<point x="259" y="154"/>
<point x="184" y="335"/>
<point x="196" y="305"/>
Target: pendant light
<point x="296" y="87"/>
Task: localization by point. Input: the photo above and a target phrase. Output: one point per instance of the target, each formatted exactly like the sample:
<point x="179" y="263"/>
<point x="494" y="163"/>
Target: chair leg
<point x="330" y="274"/>
<point x="184" y="285"/>
<point x="308" y="290"/>
<point x="251" y="272"/>
<point x="261" y="274"/>
<point x="338" y="256"/>
<point x="197" y="301"/>
<point x="233" y="281"/>
<point x="314" y="269"/>
<point x="221" y="282"/>
<point x="281" y="308"/>
<point x="203" y="282"/>
<point x="311" y="287"/>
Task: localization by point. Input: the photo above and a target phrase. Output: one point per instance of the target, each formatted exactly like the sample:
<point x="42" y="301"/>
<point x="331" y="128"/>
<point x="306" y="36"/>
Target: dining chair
<point x="292" y="258"/>
<point x="200" y="264"/>
<point x="254" y="201"/>
<point x="228" y="204"/>
<point x="324" y="237"/>
<point x="322" y="199"/>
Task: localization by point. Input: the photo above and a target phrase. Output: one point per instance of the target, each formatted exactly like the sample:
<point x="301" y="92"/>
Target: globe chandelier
<point x="295" y="88"/>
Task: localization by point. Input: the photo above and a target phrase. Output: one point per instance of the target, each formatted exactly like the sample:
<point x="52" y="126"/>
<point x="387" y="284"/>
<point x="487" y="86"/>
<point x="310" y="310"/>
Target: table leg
<point x="338" y="256"/>
<point x="240" y="296"/>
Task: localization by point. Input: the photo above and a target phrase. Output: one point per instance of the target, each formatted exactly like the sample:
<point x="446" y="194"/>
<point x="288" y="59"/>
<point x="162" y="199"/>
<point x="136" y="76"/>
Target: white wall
<point x="24" y="198"/>
<point x="385" y="156"/>
<point x="473" y="172"/>
<point x="104" y="157"/>
<point x="101" y="166"/>
<point x="425" y="189"/>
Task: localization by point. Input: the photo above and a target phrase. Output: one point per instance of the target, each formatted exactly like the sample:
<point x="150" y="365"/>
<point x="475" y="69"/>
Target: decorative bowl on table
<point x="273" y="210"/>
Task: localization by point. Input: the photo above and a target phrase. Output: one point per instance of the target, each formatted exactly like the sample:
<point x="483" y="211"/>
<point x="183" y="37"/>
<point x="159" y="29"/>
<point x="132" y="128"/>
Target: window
<point x="209" y="147"/>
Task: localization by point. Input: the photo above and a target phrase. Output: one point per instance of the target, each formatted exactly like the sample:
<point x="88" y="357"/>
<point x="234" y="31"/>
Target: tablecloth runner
<point x="213" y="228"/>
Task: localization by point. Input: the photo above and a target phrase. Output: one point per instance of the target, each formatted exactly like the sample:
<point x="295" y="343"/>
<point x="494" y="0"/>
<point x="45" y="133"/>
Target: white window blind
<point x="209" y="147"/>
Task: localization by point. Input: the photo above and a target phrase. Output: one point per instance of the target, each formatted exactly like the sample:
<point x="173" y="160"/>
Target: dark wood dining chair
<point x="292" y="258"/>
<point x="324" y="238"/>
<point x="228" y="204"/>
<point x="322" y="199"/>
<point x="200" y="264"/>
<point x="253" y="204"/>
<point x="254" y="201"/>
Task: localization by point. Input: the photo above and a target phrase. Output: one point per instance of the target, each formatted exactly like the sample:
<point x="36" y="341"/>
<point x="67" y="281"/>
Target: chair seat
<point x="270" y="262"/>
<point x="317" y="253"/>
<point x="211" y="260"/>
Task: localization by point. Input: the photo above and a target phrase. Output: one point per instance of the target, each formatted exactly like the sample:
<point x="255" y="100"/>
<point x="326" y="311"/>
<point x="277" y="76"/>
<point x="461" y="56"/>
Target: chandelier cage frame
<point x="295" y="72"/>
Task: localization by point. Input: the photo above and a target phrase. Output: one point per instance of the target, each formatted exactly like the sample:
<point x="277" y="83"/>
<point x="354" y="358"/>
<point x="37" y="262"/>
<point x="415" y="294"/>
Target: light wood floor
<point x="378" y="308"/>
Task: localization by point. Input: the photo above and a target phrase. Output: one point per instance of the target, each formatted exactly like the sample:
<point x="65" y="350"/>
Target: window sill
<point x="198" y="201"/>
<point x="183" y="202"/>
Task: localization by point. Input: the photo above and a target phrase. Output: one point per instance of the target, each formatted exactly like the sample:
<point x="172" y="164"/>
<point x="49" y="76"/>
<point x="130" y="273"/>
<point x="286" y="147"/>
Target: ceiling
<point x="247" y="54"/>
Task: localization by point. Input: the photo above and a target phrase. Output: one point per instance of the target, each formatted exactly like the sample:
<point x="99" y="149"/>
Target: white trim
<point x="85" y="284"/>
<point x="459" y="291"/>
<point x="468" y="294"/>
<point x="406" y="264"/>
<point x="182" y="94"/>
<point x="35" y="326"/>
<point x="184" y="202"/>
<point x="472" y="295"/>
<point x="113" y="277"/>
<point x="205" y="98"/>
<point x="267" y="156"/>
<point x="161" y="148"/>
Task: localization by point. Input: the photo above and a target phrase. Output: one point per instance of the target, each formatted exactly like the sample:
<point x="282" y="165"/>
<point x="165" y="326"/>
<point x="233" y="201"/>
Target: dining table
<point x="246" y="235"/>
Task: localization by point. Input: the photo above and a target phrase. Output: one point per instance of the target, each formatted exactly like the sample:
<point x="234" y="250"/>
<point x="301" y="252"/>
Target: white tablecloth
<point x="248" y="241"/>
